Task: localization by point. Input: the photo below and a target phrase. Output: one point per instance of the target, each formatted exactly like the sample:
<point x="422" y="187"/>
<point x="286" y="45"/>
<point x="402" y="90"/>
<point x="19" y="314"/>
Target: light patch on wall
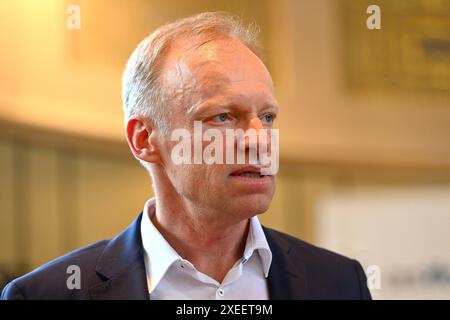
<point x="403" y="231"/>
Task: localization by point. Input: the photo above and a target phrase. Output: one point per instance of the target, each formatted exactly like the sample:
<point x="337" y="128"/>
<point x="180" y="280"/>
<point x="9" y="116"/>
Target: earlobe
<point x="141" y="139"/>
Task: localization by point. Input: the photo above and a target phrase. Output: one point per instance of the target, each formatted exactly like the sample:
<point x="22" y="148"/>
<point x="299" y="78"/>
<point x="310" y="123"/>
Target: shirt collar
<point x="159" y="254"/>
<point x="256" y="241"/>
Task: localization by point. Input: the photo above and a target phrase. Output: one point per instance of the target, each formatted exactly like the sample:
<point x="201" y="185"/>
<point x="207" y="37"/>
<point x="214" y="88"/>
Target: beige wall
<point x="56" y="198"/>
<point x="324" y="119"/>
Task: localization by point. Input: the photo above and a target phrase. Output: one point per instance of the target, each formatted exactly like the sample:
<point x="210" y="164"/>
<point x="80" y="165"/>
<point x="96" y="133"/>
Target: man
<point x="199" y="238"/>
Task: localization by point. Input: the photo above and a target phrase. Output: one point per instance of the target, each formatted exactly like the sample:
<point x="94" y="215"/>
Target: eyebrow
<point x="199" y="107"/>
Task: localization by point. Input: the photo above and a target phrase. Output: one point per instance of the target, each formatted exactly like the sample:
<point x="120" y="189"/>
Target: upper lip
<point x="250" y="169"/>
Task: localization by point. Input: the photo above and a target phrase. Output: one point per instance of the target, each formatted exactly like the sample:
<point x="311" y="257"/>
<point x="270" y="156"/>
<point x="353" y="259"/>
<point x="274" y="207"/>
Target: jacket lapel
<point x="286" y="280"/>
<point x="121" y="267"/>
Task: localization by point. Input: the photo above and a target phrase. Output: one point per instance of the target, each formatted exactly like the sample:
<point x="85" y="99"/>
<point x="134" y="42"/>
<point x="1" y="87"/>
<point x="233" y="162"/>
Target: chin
<point x="252" y="204"/>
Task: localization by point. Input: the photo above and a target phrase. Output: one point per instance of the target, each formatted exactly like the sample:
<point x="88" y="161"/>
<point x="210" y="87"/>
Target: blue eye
<point x="268" y="118"/>
<point x="221" y="117"/>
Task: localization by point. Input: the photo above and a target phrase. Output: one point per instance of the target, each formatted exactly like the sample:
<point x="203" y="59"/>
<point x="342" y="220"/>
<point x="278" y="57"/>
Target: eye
<point x="268" y="118"/>
<point x="221" y="117"/>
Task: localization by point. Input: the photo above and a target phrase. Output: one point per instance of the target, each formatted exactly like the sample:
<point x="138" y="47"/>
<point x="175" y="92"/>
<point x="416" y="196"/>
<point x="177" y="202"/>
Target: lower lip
<point x="251" y="181"/>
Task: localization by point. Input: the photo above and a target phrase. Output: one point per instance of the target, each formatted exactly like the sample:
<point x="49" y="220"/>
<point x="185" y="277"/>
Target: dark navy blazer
<point x="115" y="269"/>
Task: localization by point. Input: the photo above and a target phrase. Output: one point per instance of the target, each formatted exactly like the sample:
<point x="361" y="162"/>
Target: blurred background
<point x="364" y="129"/>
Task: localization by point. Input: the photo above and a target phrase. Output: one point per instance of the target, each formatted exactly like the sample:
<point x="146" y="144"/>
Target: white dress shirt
<point x="169" y="276"/>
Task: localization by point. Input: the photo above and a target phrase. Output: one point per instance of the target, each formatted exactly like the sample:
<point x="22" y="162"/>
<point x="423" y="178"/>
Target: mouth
<point x="249" y="180"/>
<point x="249" y="175"/>
<point x="249" y="172"/>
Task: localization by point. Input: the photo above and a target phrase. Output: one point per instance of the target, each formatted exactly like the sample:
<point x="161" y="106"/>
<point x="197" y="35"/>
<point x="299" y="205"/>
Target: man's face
<point x="225" y="86"/>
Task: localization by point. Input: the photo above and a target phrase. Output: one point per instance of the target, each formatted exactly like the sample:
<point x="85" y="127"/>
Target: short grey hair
<point x="142" y="90"/>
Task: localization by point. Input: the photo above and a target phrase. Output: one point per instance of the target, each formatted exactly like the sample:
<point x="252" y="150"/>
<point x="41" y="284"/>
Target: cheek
<point x="183" y="175"/>
<point x="192" y="179"/>
<point x="204" y="182"/>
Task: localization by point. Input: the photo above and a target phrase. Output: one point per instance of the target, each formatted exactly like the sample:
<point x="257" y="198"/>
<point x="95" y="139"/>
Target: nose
<point x="262" y="136"/>
<point x="255" y="123"/>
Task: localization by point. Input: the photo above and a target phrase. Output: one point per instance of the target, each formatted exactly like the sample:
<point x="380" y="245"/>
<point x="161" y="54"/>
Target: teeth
<point x="250" y="174"/>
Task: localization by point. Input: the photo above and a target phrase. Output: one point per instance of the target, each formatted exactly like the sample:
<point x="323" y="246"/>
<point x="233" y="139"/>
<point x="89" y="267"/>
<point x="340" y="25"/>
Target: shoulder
<point x="325" y="270"/>
<point x="49" y="281"/>
<point x="298" y="247"/>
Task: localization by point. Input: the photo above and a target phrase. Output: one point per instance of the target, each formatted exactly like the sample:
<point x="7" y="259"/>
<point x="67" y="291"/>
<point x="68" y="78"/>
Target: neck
<point x="212" y="246"/>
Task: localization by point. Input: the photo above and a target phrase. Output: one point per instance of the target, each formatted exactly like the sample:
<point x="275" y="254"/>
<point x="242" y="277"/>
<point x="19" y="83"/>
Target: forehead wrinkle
<point x="208" y="48"/>
<point x="194" y="84"/>
<point x="188" y="75"/>
<point x="180" y="82"/>
<point x="215" y="84"/>
<point x="197" y="74"/>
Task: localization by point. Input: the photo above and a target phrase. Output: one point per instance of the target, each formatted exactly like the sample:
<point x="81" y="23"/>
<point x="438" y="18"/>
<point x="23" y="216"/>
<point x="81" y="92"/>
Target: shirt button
<point x="220" y="292"/>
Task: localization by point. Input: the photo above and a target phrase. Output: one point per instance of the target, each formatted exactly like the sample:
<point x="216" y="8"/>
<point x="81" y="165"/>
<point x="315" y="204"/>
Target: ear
<point x="141" y="137"/>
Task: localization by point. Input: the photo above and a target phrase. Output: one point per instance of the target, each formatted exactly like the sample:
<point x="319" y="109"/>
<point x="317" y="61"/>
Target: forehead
<point x="218" y="67"/>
